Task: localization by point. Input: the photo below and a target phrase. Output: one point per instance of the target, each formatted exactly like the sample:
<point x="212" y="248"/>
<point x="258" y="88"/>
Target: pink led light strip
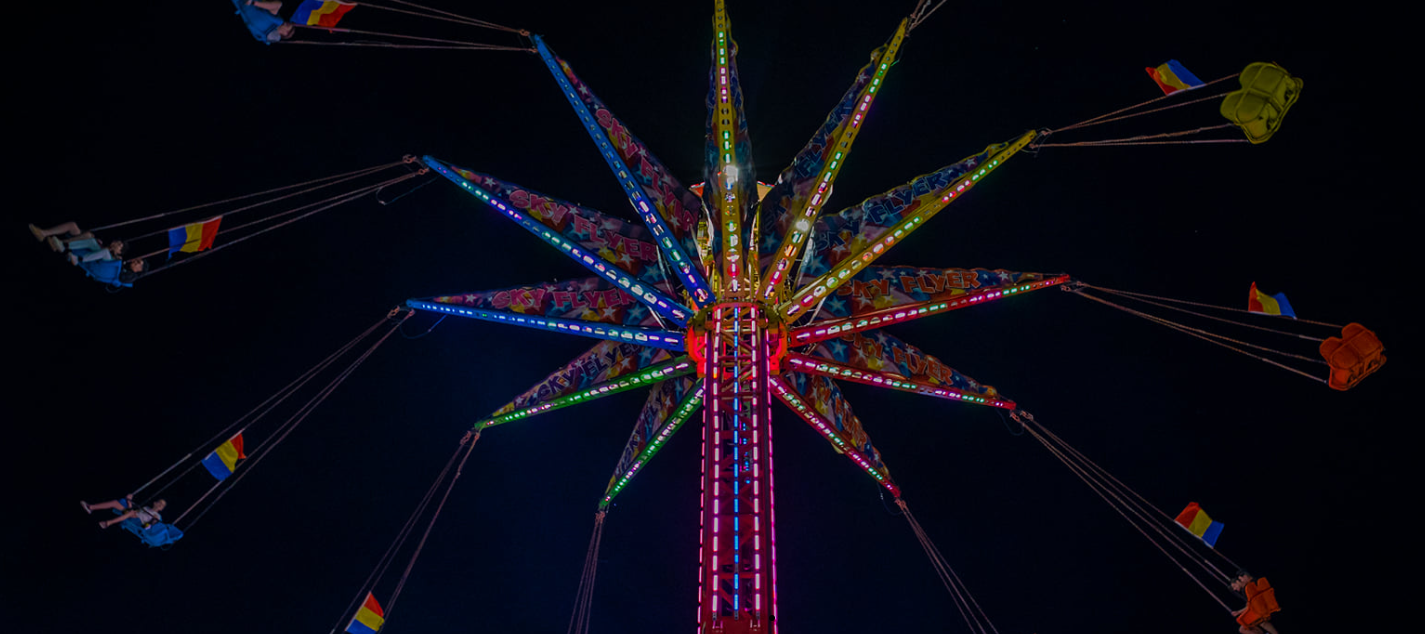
<point x="833" y="328"/>
<point x="823" y="367"/>
<point x="809" y="414"/>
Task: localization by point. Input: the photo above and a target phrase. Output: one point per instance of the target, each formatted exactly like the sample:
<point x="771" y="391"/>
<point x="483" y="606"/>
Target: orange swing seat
<point x="1353" y="356"/>
<point x="1261" y="603"/>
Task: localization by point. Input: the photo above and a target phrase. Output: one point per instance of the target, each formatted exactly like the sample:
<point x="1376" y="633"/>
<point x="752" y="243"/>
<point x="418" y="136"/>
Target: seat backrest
<point x="1268" y="91"/>
<point x="1353" y="356"/>
<point x="1262" y="597"/>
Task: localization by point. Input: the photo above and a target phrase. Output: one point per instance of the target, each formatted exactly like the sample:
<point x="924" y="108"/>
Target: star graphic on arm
<point x="816" y="265"/>
<point x="861" y="357"/>
<point x="622" y="363"/>
<point x="769" y="242"/>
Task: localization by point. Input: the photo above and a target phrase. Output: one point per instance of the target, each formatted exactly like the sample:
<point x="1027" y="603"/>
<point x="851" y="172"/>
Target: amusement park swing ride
<point x="732" y="294"/>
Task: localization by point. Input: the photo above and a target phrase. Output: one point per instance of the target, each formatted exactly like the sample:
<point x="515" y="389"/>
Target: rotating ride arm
<point x="804" y="186"/>
<point x="669" y="405"/>
<point x="881" y="295"/>
<point x="730" y="188"/>
<point x="879" y="359"/>
<point x="879" y="222"/>
<point x="818" y="401"/>
<point x="589" y="307"/>
<point x="665" y="206"/>
<point x="544" y="222"/>
<point x="575" y="383"/>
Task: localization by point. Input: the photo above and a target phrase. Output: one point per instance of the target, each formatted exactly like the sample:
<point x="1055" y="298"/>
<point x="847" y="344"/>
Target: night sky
<point x="148" y="107"/>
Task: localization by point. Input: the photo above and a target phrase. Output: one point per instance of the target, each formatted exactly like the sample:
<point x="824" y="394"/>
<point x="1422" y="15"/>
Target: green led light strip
<point x="649" y="376"/>
<point x="803" y="217"/>
<point x="685" y="410"/>
<point x="847" y="268"/>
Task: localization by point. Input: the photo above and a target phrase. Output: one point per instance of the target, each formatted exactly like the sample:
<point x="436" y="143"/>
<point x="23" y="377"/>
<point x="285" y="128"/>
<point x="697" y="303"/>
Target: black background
<point x="139" y="108"/>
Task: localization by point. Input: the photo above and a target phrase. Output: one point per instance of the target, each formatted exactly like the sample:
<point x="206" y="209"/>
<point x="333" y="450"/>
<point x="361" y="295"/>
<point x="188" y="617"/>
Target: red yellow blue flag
<point x="1196" y="521"/>
<point x="223" y="460"/>
<point x="1172" y="77"/>
<point x="1259" y="302"/>
<point x="368" y="619"/>
<point x="321" y="12"/>
<point x="195" y="237"/>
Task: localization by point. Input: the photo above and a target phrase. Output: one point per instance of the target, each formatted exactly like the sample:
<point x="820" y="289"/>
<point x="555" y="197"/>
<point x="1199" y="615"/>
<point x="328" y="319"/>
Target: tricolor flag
<point x="1196" y="521"/>
<point x="193" y="238"/>
<point x="1172" y="77"/>
<point x="1259" y="302"/>
<point x="321" y="12"/>
<point x="368" y="619"/>
<point x="224" y="459"/>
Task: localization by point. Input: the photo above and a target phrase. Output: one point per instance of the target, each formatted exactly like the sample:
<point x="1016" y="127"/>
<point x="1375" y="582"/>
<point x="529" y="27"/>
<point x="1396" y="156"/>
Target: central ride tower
<point x="739" y="343"/>
<point x="736" y="343"/>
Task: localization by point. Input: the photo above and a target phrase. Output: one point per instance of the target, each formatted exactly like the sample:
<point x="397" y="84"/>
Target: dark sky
<point x="147" y="107"/>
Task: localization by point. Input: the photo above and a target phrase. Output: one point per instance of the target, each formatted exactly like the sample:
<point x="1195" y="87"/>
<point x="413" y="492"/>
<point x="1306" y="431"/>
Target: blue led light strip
<point x="693" y="279"/>
<point x="642" y="336"/>
<point x="638" y="289"/>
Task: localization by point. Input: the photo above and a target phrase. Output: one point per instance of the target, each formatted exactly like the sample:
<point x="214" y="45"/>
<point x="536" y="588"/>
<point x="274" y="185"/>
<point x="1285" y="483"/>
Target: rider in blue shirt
<point x="262" y="20"/>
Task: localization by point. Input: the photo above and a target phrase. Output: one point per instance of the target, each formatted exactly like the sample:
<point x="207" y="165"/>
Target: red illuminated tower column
<point x="737" y="583"/>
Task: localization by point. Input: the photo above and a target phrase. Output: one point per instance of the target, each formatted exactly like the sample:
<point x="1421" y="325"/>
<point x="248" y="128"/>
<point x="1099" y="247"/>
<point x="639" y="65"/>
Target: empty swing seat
<point x="1353" y="356"/>
<point x="1268" y="91"/>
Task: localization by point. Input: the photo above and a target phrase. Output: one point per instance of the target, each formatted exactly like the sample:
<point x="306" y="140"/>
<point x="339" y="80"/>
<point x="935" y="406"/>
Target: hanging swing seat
<point x="1268" y="91"/>
<point x="109" y="272"/>
<point x="1353" y="356"/>
<point x="260" y="22"/>
<point x="1261" y="603"/>
<point x="155" y="535"/>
